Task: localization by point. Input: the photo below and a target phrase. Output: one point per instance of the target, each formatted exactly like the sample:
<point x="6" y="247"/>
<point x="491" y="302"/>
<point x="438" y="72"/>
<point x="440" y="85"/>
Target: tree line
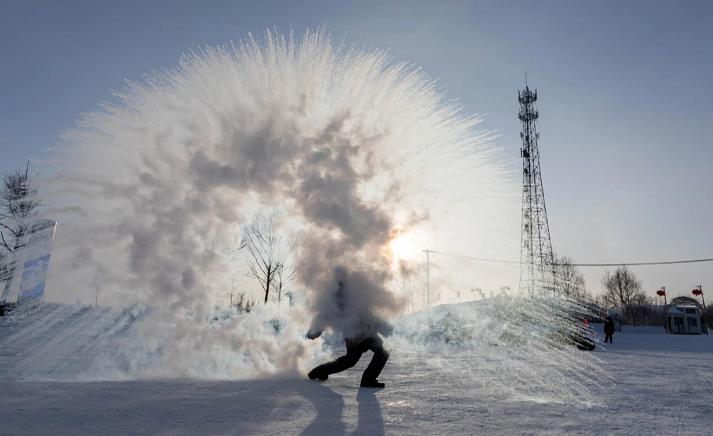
<point x="622" y="292"/>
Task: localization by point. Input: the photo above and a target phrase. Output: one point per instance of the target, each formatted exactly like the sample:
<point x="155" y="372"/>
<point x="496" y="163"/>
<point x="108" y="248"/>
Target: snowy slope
<point x="52" y="341"/>
<point x="660" y="384"/>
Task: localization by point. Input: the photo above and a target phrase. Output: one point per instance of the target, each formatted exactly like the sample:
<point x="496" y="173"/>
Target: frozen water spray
<point x="152" y="190"/>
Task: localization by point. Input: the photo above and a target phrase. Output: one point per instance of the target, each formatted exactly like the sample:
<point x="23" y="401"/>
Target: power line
<point x="666" y="262"/>
<point x="484" y="259"/>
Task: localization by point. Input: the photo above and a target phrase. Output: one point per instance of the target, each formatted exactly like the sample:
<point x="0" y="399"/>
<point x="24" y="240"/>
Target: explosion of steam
<point x="152" y="190"/>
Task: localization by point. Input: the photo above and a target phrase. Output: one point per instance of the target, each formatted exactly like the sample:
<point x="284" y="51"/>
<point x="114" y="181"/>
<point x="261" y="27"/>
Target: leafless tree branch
<point x="268" y="253"/>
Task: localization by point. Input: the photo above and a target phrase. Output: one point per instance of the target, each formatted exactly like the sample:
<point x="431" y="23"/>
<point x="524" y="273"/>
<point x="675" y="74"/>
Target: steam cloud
<point x="152" y="190"/>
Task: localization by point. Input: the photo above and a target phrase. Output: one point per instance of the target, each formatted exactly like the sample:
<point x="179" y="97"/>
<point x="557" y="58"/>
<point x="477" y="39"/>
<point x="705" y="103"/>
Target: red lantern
<point x="697" y="292"/>
<point x="660" y="293"/>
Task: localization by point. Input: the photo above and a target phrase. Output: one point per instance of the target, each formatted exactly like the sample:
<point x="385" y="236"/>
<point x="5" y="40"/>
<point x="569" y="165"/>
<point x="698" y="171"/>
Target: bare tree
<point x="269" y="252"/>
<point x="568" y="280"/>
<point x="4" y="267"/>
<point x="18" y="207"/>
<point x="623" y="290"/>
<point x="285" y="275"/>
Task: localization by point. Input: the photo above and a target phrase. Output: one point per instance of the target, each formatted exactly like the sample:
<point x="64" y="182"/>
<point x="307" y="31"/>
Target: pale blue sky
<point x="626" y="95"/>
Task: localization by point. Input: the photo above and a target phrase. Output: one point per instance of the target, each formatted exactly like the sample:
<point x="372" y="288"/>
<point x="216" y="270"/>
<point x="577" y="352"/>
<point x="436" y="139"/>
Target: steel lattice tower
<point x="536" y="259"/>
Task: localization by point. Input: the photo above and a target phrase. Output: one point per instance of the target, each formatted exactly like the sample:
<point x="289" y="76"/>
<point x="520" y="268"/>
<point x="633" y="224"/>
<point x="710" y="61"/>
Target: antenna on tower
<point x="537" y="268"/>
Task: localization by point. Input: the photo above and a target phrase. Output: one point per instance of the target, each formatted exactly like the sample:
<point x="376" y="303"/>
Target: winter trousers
<point x="608" y="337"/>
<point x="354" y="351"/>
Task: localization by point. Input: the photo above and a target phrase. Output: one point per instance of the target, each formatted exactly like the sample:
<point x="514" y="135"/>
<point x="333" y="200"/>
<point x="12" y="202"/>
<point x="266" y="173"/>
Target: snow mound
<point x="517" y="348"/>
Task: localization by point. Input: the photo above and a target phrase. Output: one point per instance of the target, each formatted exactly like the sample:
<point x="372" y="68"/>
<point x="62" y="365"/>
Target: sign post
<point x="698" y="290"/>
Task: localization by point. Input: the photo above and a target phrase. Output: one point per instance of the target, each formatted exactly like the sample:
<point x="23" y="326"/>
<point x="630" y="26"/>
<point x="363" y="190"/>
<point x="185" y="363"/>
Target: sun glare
<point x="403" y="247"/>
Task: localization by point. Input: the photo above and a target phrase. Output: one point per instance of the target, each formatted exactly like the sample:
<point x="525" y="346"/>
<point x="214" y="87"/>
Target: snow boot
<point x="372" y="384"/>
<point x="316" y="375"/>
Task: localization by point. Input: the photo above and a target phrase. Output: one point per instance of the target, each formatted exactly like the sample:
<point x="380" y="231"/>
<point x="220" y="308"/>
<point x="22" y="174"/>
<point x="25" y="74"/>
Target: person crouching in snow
<point x="608" y="330"/>
<point x="361" y="334"/>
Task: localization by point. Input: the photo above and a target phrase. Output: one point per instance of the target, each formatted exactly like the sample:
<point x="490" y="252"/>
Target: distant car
<point x="6" y="308"/>
<point x="583" y="338"/>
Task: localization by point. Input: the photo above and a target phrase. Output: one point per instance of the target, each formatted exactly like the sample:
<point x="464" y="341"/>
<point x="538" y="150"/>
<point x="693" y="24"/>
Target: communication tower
<point x="537" y="269"/>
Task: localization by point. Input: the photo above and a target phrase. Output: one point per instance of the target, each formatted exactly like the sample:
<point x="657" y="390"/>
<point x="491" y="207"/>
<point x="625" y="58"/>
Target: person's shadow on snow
<point x="371" y="422"/>
<point x="329" y="405"/>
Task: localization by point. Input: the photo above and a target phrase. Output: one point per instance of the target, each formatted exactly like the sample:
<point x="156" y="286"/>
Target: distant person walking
<point x="608" y="330"/>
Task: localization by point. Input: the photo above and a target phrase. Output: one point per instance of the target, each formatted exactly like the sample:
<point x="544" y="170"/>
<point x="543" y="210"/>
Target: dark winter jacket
<point x="609" y="327"/>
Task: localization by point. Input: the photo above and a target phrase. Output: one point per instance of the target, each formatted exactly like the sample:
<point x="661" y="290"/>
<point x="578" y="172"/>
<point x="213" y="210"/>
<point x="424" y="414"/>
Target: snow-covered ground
<point x="656" y="384"/>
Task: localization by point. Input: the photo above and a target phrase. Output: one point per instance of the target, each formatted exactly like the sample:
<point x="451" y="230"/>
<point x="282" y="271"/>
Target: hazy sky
<point x="626" y="92"/>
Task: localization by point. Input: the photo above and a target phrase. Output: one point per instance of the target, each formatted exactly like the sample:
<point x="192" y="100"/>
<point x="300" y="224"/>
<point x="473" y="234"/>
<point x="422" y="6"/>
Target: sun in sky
<point x="406" y="246"/>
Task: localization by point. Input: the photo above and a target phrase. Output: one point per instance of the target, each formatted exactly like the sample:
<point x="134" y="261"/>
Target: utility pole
<point x="428" y="277"/>
<point x="662" y="293"/>
<point x="698" y="290"/>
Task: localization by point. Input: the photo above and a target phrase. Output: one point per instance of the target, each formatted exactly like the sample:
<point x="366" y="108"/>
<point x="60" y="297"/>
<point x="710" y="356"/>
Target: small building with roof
<point x="684" y="319"/>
